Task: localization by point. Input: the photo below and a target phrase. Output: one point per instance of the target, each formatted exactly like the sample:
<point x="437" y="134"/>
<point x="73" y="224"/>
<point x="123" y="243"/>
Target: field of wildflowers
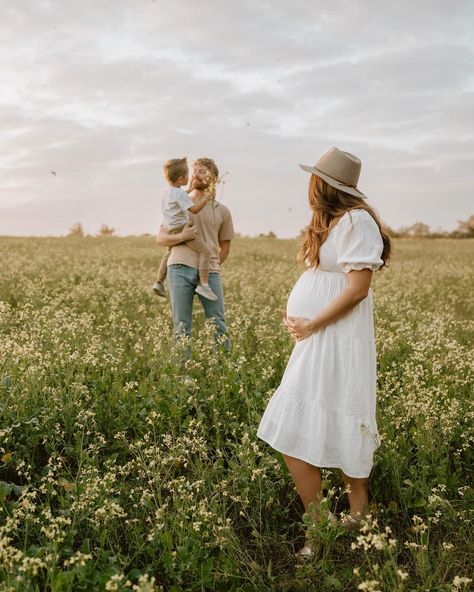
<point x="120" y="470"/>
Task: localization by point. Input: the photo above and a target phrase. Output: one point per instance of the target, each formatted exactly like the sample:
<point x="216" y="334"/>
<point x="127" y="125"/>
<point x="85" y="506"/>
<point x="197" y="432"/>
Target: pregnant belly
<point x="313" y="291"/>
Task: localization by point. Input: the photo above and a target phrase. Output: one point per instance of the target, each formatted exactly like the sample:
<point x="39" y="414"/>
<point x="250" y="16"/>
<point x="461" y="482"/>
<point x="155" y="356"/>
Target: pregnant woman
<point x="323" y="412"/>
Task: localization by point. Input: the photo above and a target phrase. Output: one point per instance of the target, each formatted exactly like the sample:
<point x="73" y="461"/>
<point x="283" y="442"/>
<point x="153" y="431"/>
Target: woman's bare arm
<point x="356" y="291"/>
<point x="170" y="240"/>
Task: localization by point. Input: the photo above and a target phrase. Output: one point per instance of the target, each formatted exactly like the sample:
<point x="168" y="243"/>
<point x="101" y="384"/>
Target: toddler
<point x="175" y="208"/>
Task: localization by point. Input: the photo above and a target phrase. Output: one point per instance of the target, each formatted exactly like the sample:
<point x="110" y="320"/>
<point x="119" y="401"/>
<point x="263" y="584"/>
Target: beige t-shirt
<point x="214" y="225"/>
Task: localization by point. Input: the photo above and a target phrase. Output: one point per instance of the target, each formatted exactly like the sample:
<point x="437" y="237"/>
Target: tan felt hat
<point x="339" y="169"/>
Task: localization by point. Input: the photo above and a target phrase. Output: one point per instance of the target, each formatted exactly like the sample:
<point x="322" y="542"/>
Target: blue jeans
<point x="182" y="281"/>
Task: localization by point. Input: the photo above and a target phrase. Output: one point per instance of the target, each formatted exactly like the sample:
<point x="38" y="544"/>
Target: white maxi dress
<point x="323" y="412"/>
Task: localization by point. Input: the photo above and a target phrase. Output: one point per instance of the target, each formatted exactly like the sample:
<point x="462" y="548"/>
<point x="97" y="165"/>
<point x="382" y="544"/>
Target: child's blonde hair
<point x="175" y="168"/>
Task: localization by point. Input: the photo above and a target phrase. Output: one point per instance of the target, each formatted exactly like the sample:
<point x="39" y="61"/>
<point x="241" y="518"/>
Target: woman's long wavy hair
<point x="328" y="204"/>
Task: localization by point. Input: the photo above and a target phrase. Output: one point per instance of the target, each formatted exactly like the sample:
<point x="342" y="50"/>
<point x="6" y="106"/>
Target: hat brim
<point x="333" y="182"/>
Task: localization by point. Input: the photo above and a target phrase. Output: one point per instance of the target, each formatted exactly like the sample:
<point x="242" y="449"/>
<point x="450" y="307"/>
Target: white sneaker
<point x="206" y="292"/>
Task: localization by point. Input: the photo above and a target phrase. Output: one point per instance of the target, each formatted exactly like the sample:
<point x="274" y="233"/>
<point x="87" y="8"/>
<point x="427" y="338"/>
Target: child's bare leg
<point x="200" y="247"/>
<point x="358" y="494"/>
<point x="162" y="271"/>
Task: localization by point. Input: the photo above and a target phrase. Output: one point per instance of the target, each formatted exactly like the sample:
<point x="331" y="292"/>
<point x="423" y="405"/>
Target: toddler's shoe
<point x="206" y="292"/>
<point x="159" y="288"/>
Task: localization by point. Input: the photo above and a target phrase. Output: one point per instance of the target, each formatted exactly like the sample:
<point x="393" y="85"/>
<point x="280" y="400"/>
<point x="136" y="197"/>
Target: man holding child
<point x="213" y="224"/>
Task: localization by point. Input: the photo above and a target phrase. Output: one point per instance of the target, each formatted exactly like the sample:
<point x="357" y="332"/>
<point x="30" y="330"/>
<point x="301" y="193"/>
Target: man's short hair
<point x="175" y="168"/>
<point x="209" y="164"/>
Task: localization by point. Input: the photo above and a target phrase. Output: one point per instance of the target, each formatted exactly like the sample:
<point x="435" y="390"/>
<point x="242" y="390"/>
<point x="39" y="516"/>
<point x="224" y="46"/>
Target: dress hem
<point x="311" y="462"/>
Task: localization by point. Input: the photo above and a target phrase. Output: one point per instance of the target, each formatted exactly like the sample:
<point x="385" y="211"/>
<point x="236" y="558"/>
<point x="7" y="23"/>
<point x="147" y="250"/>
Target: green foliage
<point x="123" y="468"/>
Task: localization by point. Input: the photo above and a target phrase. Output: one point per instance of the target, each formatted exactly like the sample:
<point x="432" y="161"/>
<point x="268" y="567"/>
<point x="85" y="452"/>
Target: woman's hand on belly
<point x="298" y="327"/>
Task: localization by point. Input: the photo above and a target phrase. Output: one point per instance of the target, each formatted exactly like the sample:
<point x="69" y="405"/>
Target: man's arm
<point x="165" y="239"/>
<point x="224" y="248"/>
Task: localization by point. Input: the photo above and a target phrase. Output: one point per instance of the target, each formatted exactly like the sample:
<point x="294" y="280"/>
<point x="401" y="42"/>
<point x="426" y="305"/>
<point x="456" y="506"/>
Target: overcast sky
<point x="102" y="92"/>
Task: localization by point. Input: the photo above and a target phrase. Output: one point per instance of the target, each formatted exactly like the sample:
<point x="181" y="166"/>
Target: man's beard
<point x="201" y="185"/>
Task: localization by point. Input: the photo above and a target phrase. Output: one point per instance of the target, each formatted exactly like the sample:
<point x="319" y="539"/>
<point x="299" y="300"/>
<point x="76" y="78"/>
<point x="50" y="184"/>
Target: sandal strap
<point x="350" y="518"/>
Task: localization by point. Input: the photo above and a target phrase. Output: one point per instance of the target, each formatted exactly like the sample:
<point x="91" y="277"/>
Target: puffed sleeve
<point x="358" y="242"/>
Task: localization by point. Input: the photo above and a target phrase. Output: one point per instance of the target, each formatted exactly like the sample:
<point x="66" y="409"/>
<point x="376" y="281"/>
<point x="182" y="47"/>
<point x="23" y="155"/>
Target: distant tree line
<point x="465" y="229"/>
<point x="77" y="230"/>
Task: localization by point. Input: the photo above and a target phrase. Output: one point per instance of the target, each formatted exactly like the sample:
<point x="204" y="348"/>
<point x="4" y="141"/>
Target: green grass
<point x="115" y="469"/>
